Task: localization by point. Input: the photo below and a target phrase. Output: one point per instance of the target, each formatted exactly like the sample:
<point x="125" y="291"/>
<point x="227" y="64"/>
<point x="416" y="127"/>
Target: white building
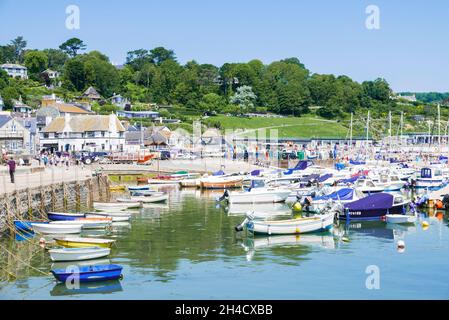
<point x="14" y="137"/>
<point x="84" y="132"/>
<point x="15" y="70"/>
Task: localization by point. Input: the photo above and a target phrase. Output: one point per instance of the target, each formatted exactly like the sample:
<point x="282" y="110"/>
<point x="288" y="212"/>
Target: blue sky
<point x="410" y="50"/>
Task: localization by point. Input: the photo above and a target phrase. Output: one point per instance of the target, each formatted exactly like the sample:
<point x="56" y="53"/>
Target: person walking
<point x="12" y="168"/>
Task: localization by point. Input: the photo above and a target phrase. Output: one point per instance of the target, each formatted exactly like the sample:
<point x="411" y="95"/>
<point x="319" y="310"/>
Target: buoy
<point x="297" y="206"/>
<point x="439" y="204"/>
<point x="425" y="224"/>
<point x="42" y="241"/>
<point x="345" y="239"/>
<point x="401" y="244"/>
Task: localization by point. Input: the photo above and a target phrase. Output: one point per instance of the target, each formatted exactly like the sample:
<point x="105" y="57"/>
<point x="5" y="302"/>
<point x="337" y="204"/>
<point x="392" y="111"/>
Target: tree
<point x="56" y="59"/>
<point x="18" y="45"/>
<point x="8" y="94"/>
<point x="160" y="54"/>
<point x="72" y="46"/>
<point x="36" y="61"/>
<point x="245" y="98"/>
<point x="74" y="74"/>
<point x="212" y="102"/>
<point x="137" y="58"/>
<point x="7" y="54"/>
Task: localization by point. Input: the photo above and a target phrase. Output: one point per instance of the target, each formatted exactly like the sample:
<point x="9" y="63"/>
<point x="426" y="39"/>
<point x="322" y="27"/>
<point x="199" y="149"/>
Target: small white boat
<point x="114" y="218"/>
<point x="116" y="205"/>
<point x="400" y="218"/>
<point x="78" y="254"/>
<point x="292" y="226"/>
<point x="56" y="228"/>
<point x="86" y="223"/>
<point x="368" y="186"/>
<point x="151" y="199"/>
<point x="258" y="193"/>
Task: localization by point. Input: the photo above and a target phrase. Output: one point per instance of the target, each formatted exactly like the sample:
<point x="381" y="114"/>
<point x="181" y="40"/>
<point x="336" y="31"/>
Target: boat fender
<point x="297" y="207"/>
<point x="425" y="224"/>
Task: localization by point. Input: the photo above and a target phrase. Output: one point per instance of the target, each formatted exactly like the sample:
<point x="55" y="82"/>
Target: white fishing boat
<point x="292" y="226"/>
<point x="258" y="193"/>
<point x="78" y="254"/>
<point x="266" y="209"/>
<point x="430" y="178"/>
<point x="56" y="228"/>
<point x="116" y="205"/>
<point x="389" y="182"/>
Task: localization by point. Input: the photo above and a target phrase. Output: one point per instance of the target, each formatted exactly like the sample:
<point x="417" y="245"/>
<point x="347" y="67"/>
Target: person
<point x="12" y="168"/>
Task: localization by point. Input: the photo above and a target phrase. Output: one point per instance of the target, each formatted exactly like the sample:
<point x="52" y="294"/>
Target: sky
<point x="410" y="49"/>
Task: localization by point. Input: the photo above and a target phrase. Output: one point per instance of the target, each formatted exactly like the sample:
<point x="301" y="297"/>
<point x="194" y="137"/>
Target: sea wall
<point x="34" y="203"/>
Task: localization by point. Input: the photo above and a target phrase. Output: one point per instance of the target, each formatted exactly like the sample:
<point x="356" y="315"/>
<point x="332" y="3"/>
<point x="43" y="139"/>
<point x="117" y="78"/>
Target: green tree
<point x="244" y="98"/>
<point x="18" y="45"/>
<point x="160" y="54"/>
<point x="211" y="103"/>
<point x="75" y="74"/>
<point x="137" y="58"/>
<point x="56" y="59"/>
<point x="7" y="54"/>
<point x="36" y="61"/>
<point x="72" y="46"/>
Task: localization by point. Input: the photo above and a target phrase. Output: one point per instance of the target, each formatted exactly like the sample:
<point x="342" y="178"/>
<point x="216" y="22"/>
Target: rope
<point x="27" y="264"/>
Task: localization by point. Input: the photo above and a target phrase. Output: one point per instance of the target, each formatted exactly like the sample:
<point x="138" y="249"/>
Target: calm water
<point x="188" y="249"/>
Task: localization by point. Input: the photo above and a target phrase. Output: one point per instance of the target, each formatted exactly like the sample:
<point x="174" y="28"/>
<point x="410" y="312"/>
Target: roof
<point x="28" y="123"/>
<point x="4" y="119"/>
<point x="49" y="111"/>
<point x="91" y="93"/>
<point x="13" y="65"/>
<point x="81" y="123"/>
<point x="71" y="108"/>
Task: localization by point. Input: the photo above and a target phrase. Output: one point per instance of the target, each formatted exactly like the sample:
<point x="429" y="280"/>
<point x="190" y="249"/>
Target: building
<point x="50" y="100"/>
<point x="138" y="114"/>
<point x="84" y="132"/>
<point x="51" y="74"/>
<point x="20" y="107"/>
<point x="15" y="70"/>
<point x="120" y="101"/>
<point x="91" y="94"/>
<point x="14" y="137"/>
<point x="32" y="140"/>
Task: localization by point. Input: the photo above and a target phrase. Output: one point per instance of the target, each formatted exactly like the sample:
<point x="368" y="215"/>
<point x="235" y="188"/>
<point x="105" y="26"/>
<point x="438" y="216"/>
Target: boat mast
<point x="367" y="133"/>
<point x="439" y="129"/>
<point x="402" y="125"/>
<point x="350" y="132"/>
<point x="389" y="132"/>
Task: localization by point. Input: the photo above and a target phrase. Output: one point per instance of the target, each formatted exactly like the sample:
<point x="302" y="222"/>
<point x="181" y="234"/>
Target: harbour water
<point x="188" y="249"/>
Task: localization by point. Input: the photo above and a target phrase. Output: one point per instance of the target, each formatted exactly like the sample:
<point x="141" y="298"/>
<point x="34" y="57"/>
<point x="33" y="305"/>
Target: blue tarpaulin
<point x="376" y="201"/>
<point x="342" y="194"/>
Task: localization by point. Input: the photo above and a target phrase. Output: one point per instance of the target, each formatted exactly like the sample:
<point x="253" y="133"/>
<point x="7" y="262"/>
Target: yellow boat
<point x="78" y="242"/>
<point x="117" y="188"/>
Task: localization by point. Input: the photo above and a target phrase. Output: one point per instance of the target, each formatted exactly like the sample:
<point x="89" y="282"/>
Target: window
<point x="103" y="133"/>
<point x="46" y="135"/>
<point x="13" y="127"/>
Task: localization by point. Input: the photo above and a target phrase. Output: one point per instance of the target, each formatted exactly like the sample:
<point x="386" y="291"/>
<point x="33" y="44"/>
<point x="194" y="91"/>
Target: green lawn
<point x="289" y="127"/>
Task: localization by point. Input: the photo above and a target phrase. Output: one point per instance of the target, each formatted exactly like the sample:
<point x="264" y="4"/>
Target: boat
<point x="343" y="195"/>
<point x="191" y="182"/>
<point x="114" y="218"/>
<point x="88" y="223"/>
<point x="26" y="226"/>
<point x="49" y="228"/>
<point x="430" y="178"/>
<point x="136" y="188"/>
<point x="400" y="218"/>
<point x="116" y="205"/>
<point x="142" y="193"/>
<point x="77" y="254"/>
<point x="221" y="182"/>
<point x="61" y="216"/>
<point x="321" y="222"/>
<point x="374" y="207"/>
<point x="390" y="182"/>
<point x="151" y="199"/>
<point x="78" y="242"/>
<point x="117" y="188"/>
<point x="258" y="193"/>
<point x="368" y="186"/>
<point x="90" y="273"/>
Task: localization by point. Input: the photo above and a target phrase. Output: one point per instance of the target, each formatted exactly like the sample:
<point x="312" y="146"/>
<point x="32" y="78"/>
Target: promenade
<point x="37" y="176"/>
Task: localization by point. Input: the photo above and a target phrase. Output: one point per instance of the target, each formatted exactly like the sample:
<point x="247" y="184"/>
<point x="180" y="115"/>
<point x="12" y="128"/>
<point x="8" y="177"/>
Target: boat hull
<point x="375" y="214"/>
<point x="294" y="226"/>
<point x="90" y="274"/>
<point x="79" y="243"/>
<point x="56" y="229"/>
<point x="258" y="197"/>
<point x="78" y="254"/>
<point x="58" y="216"/>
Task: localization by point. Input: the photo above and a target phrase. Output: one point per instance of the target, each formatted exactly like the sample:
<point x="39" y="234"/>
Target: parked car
<point x="165" y="155"/>
<point x="186" y="156"/>
<point x="87" y="157"/>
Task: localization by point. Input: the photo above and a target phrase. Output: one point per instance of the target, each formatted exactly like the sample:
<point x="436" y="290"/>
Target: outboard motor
<point x="224" y="196"/>
<point x="241" y="226"/>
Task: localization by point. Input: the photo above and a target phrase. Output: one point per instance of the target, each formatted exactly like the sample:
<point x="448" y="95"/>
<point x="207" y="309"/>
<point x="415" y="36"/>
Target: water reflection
<point x="105" y="287"/>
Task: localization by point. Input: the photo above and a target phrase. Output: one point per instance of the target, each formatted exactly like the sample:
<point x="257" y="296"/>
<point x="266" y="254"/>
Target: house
<point x="50" y="100"/>
<point x="51" y="74"/>
<point x="120" y="101"/>
<point x="32" y="141"/>
<point x="15" y="70"/>
<point x="138" y="114"/>
<point x="20" y="107"/>
<point x="91" y="94"/>
<point x="45" y="115"/>
<point x="14" y="137"/>
<point x="84" y="132"/>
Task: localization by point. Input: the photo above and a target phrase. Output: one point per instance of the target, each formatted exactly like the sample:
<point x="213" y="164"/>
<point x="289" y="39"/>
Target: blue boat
<point x="138" y="188"/>
<point x="59" y="216"/>
<point x="90" y="273"/>
<point x="25" y="225"/>
<point x="374" y="207"/>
